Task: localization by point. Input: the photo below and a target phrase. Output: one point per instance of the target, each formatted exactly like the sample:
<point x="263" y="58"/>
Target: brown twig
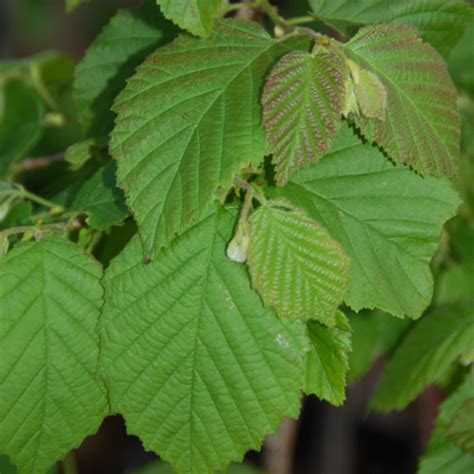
<point x="32" y="164"/>
<point x="246" y="13"/>
<point x="279" y="449"/>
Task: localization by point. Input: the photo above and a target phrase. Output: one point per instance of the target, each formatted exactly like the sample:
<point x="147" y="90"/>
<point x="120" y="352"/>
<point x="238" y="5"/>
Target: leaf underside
<point x="200" y="370"/>
<point x="302" y="104"/>
<point x="189" y="121"/>
<point x="389" y="231"/>
<point x="50" y="398"/>
<point x="295" y="265"/>
<point x="421" y="127"/>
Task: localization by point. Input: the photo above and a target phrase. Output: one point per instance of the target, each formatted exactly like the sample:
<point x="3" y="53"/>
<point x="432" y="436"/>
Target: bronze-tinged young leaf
<point x="421" y="127"/>
<point x="297" y="268"/>
<point x="441" y="22"/>
<point x="189" y="121"/>
<point x="302" y="106"/>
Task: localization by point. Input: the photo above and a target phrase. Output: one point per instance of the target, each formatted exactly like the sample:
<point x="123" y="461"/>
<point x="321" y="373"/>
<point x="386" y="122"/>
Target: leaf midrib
<point x="204" y="283"/>
<point x="364" y="223"/>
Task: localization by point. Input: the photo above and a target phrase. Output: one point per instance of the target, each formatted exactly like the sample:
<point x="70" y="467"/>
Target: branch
<point x="279" y="449"/>
<point x="32" y="164"/>
<point x="66" y="225"/>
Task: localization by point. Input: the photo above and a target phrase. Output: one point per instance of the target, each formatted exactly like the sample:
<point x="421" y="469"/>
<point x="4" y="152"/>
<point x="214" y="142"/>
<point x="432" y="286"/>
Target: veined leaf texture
<point x="189" y="121"/>
<point x="337" y="157"/>
<point x="198" y="367"/>
<point x="302" y="106"/>
<point x="196" y="16"/>
<point x="421" y="126"/>
<point x="441" y="22"/>
<point x="297" y="268"/>
<point x="386" y="228"/>
<point x="50" y="395"/>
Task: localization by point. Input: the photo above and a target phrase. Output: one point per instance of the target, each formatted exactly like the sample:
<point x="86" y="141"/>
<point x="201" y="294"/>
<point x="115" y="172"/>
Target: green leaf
<point x="461" y="236"/>
<point x="50" y="397"/>
<point x="295" y="265"/>
<point x="78" y="153"/>
<point x="387" y="218"/>
<point x="466" y="108"/>
<point x="302" y="105"/>
<point x="42" y="118"/>
<point x="101" y="198"/>
<point x="164" y="468"/>
<point x="327" y="360"/>
<point x="71" y="5"/>
<point x="441" y="22"/>
<point x="374" y="333"/>
<point x="21" y="111"/>
<point x="188" y="122"/>
<point x="114" y="241"/>
<point x="200" y="370"/>
<point x="442" y="455"/>
<point x="5" y="466"/>
<point x="19" y="214"/>
<point x="422" y="126"/>
<point x="455" y="284"/>
<point x="461" y="429"/>
<point x="461" y="61"/>
<point x="111" y="59"/>
<point x="9" y="196"/>
<point x="196" y="16"/>
<point x="434" y="342"/>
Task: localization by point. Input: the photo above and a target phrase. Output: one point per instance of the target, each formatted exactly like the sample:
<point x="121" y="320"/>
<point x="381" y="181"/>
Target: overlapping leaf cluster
<point x="227" y="303"/>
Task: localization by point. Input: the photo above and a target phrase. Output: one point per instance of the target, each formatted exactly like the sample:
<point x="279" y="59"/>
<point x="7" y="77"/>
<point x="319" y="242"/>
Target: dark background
<point x="347" y="440"/>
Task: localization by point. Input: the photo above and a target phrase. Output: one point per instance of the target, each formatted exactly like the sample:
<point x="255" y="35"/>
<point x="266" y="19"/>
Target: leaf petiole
<point x="301" y="20"/>
<point x="54" y="208"/>
<point x="240" y="6"/>
<point x="252" y="189"/>
<point x="66" y="225"/>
